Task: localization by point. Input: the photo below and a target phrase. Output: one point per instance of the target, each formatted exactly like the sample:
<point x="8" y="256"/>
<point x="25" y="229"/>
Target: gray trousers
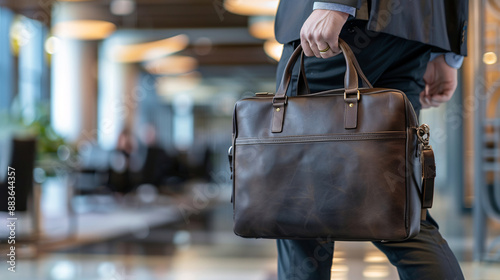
<point x="389" y="62"/>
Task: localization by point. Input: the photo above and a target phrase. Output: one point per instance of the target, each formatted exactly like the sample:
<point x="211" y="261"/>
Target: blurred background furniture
<point x="22" y="159"/>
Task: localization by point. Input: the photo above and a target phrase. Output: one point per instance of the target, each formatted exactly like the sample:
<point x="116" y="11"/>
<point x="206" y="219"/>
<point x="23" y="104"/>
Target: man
<point x="393" y="41"/>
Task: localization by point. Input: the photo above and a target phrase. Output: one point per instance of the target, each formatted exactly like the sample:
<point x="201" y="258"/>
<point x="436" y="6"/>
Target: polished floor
<point x="252" y="260"/>
<point x="204" y="248"/>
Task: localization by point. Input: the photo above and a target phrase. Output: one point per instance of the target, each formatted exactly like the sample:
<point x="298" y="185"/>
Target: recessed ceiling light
<point x="250" y="8"/>
<point x="171" y="65"/>
<point x="273" y="49"/>
<point x="52" y="44"/>
<point x="84" y="29"/>
<point x="150" y="50"/>
<point x="261" y="27"/>
<point x="175" y="85"/>
<point x="490" y="58"/>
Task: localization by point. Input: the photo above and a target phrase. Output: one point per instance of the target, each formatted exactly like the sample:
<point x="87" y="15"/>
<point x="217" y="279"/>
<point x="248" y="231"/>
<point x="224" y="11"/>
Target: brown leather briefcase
<point x="346" y="164"/>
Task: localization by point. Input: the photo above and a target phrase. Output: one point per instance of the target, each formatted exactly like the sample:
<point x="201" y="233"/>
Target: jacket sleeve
<point x="351" y="3"/>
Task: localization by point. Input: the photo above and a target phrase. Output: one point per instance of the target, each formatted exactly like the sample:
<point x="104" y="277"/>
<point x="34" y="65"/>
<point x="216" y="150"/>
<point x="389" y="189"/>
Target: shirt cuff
<point x="452" y="59"/>
<point x="334" y="7"/>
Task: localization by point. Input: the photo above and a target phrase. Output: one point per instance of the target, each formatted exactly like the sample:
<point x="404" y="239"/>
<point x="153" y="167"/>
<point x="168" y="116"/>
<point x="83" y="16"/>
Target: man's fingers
<point x="444" y="97"/>
<point x="427" y="101"/>
<point x="334" y="44"/>
<point x="315" y="49"/>
<point x="435" y="103"/>
<point x="320" y="31"/>
<point x="334" y="48"/>
<point x="310" y="48"/>
<point x="304" y="41"/>
<point x="427" y="90"/>
<point x="432" y="100"/>
<point x="328" y="53"/>
<point x="317" y="43"/>
<point x="305" y="44"/>
<point x="424" y="101"/>
<point x="307" y="48"/>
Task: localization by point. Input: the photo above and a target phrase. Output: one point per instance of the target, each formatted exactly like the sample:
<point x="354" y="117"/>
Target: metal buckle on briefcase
<point x="358" y="95"/>
<point x="276" y="101"/>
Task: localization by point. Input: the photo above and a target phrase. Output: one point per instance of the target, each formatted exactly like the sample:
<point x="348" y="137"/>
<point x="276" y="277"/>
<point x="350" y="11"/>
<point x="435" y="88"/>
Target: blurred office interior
<point x="117" y="116"/>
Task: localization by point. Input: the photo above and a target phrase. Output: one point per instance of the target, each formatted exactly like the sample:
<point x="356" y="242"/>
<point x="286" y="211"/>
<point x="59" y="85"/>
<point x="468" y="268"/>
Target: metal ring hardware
<point x="358" y="95"/>
<point x="424" y="134"/>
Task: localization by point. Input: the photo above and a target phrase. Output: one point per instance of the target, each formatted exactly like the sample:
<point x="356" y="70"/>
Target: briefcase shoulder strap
<point x="428" y="166"/>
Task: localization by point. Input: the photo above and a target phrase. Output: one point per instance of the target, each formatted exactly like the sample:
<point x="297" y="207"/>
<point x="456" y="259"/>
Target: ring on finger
<point x="325" y="50"/>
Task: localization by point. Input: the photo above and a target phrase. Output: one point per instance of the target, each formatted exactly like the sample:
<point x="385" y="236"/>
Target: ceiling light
<point x="171" y="65"/>
<point x="52" y="44"/>
<point x="84" y="29"/>
<point x="250" y="8"/>
<point x="261" y="27"/>
<point x="20" y="34"/>
<point x="273" y="49"/>
<point x="171" y="86"/>
<point x="149" y="51"/>
<point x="490" y="58"/>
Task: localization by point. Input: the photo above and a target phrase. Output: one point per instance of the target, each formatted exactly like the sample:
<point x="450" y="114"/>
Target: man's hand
<point x="321" y="31"/>
<point x="440" y="83"/>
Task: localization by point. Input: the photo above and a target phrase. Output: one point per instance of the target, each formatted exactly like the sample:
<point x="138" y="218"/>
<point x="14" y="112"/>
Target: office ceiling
<point x="149" y="13"/>
<point x="182" y="14"/>
<point x="236" y="49"/>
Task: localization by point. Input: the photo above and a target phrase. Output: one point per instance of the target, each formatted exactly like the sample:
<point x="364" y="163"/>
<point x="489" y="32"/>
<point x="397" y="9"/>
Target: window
<point x="32" y="68"/>
<point x="6" y="60"/>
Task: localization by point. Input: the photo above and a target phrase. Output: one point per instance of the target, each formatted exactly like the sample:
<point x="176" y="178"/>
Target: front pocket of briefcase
<point x="337" y="186"/>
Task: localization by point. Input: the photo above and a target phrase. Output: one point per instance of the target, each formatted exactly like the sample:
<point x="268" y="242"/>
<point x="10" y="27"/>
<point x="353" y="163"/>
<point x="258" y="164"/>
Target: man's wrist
<point x="335" y="7"/>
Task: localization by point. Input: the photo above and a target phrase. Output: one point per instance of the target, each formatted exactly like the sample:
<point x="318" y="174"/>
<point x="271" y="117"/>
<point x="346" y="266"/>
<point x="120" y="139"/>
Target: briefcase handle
<point x="351" y="88"/>
<point x="350" y="79"/>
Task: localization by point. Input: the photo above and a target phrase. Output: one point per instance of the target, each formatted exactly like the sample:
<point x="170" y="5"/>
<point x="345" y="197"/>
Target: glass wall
<point x="6" y="60"/>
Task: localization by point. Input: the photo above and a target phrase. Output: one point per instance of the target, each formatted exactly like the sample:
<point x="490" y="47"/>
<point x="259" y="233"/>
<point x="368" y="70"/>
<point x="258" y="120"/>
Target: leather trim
<point x="428" y="175"/>
<point x="278" y="117"/>
<point x="351" y="113"/>
<point x="323" y="138"/>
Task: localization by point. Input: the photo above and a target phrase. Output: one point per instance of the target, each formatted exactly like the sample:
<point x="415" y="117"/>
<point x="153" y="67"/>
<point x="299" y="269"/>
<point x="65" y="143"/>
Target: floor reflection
<point x="206" y="249"/>
<point x="215" y="262"/>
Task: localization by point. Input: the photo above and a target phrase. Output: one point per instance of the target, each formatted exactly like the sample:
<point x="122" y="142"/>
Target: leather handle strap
<point x="428" y="176"/>
<point x="302" y="85"/>
<point x="350" y="86"/>
<point x="348" y="53"/>
<point x="350" y="79"/>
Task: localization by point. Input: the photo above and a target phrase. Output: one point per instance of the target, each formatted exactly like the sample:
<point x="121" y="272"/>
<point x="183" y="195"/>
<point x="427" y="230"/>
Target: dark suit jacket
<point x="442" y="24"/>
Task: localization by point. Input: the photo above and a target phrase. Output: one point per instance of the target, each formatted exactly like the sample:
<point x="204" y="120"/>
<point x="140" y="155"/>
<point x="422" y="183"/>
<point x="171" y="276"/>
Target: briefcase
<point x="347" y="164"/>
